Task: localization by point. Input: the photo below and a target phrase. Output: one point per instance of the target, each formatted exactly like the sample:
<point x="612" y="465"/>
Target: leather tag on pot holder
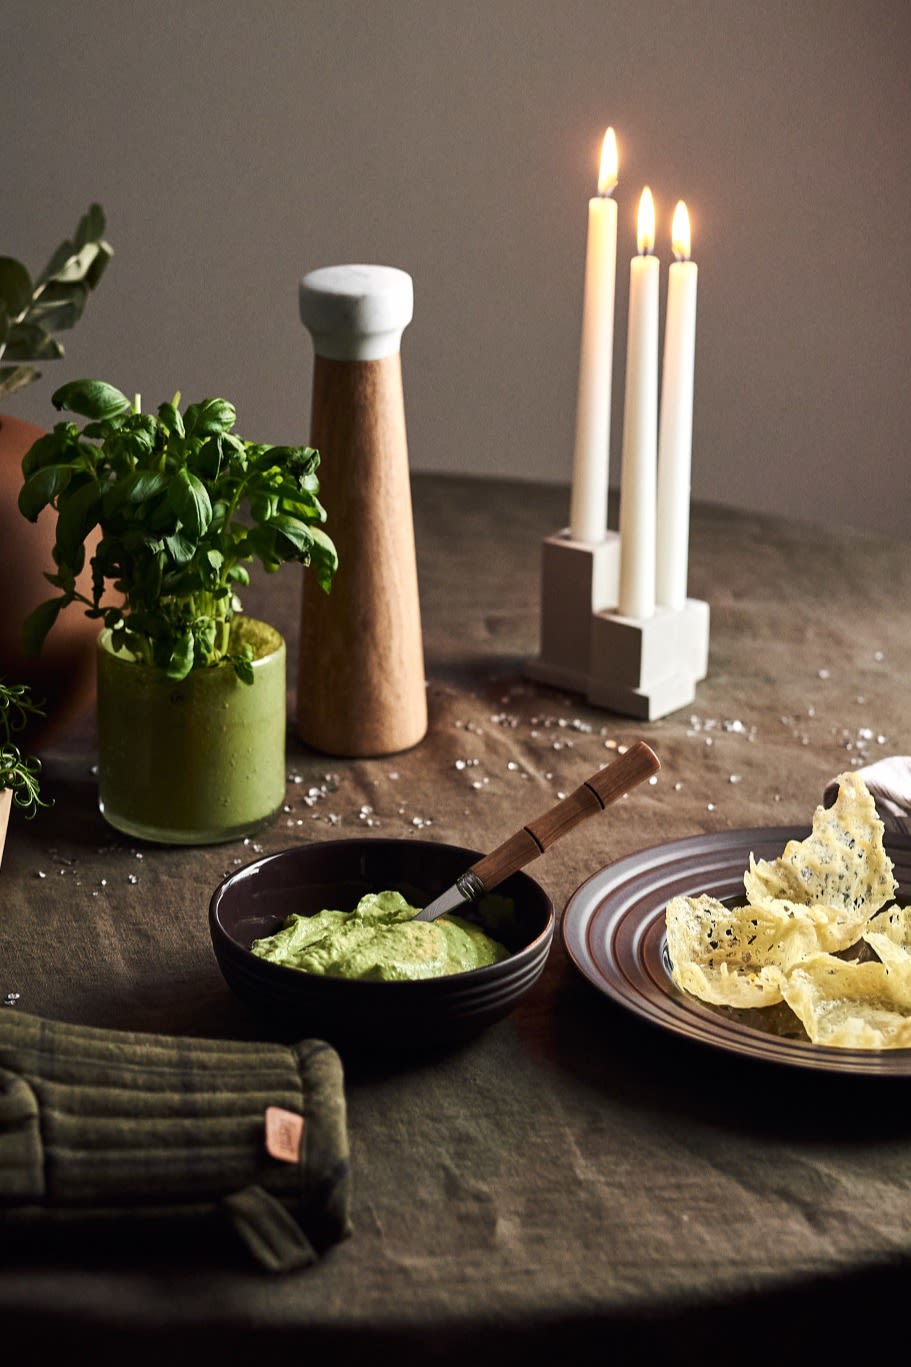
<point x="284" y="1134"/>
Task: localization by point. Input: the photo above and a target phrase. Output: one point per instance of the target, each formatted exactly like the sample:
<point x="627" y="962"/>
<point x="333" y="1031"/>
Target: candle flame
<point x="607" y="176"/>
<point x="680" y="232"/>
<point x="645" y="234"/>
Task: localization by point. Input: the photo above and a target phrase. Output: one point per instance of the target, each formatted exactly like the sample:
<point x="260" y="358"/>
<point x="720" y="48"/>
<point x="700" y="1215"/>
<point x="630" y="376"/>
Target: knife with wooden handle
<point x="597" y="792"/>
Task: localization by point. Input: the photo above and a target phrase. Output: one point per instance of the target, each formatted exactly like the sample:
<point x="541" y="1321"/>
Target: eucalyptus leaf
<point x="31" y="342"/>
<point x="91" y="226"/>
<point x="15" y="286"/>
<point x="13" y="377"/>
<point x="60" y="307"/>
<point x="74" y="264"/>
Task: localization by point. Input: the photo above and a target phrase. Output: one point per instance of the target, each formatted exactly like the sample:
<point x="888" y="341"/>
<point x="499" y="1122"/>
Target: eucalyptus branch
<point x="32" y="311"/>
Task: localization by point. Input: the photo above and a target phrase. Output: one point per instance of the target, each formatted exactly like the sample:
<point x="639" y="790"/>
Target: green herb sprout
<point x="32" y="311"/>
<point x="18" y="774"/>
<point x="167" y="494"/>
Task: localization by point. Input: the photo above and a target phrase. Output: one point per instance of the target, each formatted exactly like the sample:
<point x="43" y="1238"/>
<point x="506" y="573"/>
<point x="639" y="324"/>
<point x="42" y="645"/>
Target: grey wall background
<point x="236" y="144"/>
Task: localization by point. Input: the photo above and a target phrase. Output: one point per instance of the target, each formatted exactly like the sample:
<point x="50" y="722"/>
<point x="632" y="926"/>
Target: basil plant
<point x="181" y="505"/>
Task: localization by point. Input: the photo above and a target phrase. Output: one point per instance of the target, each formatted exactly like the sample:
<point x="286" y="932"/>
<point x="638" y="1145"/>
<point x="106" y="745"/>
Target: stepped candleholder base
<point x="648" y="667"/>
<point x="644" y="668"/>
<point x="578" y="578"/>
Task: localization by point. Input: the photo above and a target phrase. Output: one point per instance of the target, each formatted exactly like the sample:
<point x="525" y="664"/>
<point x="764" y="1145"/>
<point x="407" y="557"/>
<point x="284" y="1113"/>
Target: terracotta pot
<point x="6" y="804"/>
<point x="62" y="677"/>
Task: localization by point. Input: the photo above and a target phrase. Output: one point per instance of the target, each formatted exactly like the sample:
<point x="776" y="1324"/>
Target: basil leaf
<point x="78" y="515"/>
<point x="39" y="622"/>
<point x="188" y="497"/>
<point x="181" y="659"/>
<point x="41" y="487"/>
<point x="180" y="547"/>
<point x="91" y="399"/>
<point x="323" y="558"/>
<point x="210" y="417"/>
<point x="298" y="533"/>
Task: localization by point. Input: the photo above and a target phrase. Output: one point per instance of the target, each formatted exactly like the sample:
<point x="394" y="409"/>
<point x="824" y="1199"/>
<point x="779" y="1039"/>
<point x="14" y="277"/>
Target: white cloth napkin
<point x="889" y="781"/>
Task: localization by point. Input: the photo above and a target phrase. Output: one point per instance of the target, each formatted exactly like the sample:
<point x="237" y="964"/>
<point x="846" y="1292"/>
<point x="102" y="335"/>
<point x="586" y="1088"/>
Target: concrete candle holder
<point x="578" y="579"/>
<point x="639" y="667"/>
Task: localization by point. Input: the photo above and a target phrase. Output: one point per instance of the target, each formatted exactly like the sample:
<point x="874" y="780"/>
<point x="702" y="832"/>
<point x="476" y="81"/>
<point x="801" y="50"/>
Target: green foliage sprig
<point x="166" y="493"/>
<point x="17" y="773"/>
<point x="32" y="311"/>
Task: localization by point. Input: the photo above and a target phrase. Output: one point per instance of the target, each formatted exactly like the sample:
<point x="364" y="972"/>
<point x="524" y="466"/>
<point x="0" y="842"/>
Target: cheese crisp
<point x="889" y="934"/>
<point x="842" y="866"/>
<point x="849" y="1005"/>
<point x="732" y="956"/>
<point x="818" y="900"/>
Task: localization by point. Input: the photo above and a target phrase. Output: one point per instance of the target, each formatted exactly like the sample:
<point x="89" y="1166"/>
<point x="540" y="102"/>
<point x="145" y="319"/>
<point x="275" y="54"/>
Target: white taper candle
<point x="591" y="453"/>
<point x="675" y="433"/>
<point x="640" y="426"/>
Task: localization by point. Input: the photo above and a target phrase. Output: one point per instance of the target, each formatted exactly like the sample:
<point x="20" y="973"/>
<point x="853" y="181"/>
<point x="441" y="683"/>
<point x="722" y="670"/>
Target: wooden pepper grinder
<point x="361" y="688"/>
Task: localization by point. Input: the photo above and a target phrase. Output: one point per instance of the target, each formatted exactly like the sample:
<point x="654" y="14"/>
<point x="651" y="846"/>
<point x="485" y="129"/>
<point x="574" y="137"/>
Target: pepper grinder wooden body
<point x="361" y="687"/>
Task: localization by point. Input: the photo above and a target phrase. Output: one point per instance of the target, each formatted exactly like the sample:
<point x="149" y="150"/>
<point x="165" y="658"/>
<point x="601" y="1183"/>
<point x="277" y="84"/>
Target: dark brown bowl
<point x="254" y="901"/>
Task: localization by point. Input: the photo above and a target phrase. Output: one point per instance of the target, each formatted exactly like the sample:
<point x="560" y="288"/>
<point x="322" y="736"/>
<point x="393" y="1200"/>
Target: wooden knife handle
<point x="600" y="789"/>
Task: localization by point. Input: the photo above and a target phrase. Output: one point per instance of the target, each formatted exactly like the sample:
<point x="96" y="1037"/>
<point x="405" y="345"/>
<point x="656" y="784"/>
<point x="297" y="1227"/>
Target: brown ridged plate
<point x="613" y="930"/>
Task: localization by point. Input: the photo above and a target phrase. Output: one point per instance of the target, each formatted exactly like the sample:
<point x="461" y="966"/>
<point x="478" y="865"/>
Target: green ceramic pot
<point x="197" y="762"/>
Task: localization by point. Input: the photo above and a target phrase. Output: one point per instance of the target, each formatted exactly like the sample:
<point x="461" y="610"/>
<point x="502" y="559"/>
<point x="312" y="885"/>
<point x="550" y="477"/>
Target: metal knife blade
<point x="465" y="889"/>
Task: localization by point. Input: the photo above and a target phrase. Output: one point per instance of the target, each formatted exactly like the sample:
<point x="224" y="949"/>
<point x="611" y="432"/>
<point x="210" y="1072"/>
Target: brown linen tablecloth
<point x="574" y="1181"/>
